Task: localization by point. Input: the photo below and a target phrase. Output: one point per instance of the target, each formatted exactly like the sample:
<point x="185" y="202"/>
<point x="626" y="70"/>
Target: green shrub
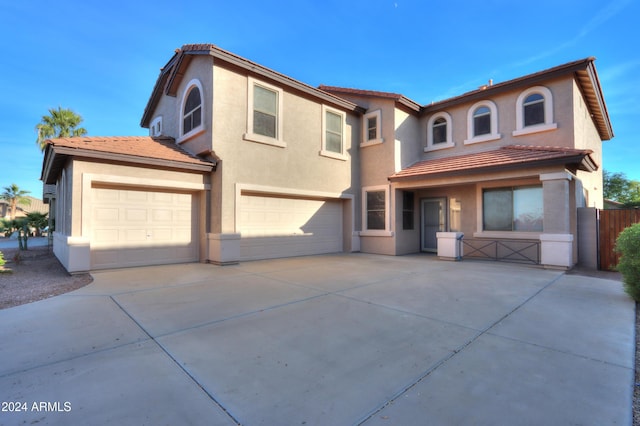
<point x="628" y="245"/>
<point x="1" y="259"/>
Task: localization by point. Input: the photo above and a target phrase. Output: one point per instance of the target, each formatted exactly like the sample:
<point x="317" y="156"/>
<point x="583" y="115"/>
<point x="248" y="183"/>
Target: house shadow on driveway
<point x="333" y="339"/>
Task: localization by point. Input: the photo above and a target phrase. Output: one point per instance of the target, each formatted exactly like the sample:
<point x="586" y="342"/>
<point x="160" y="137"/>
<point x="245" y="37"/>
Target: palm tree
<point x="60" y="123"/>
<point x="14" y="196"/>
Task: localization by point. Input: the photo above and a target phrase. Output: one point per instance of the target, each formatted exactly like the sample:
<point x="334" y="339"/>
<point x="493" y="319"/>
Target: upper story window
<point x="439" y="132"/>
<point x="372" y="132"/>
<point x="333" y="124"/>
<point x="155" y="129"/>
<point x="534" y="111"/>
<point x="191" y="111"/>
<point x="264" y="113"/>
<point x="482" y="123"/>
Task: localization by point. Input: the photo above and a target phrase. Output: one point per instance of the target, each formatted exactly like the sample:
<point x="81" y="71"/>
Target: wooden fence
<point x="612" y="222"/>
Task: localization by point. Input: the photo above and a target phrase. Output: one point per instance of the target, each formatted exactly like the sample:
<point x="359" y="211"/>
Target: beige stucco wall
<point x="587" y="137"/>
<point x="562" y="136"/>
<point x="169" y="107"/>
<point x="298" y="166"/>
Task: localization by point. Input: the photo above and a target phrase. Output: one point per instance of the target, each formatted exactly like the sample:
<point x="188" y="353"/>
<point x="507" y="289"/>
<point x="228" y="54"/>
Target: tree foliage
<point x="14" y="196"/>
<point x="618" y="188"/>
<point x="60" y="123"/>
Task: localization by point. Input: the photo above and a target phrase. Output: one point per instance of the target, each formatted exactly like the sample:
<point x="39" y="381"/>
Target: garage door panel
<point x="280" y="227"/>
<point x="140" y="227"/>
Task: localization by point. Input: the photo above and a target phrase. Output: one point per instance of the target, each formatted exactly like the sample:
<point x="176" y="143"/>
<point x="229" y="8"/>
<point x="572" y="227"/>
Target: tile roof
<point x="511" y="156"/>
<point x="158" y="148"/>
<point x="174" y="71"/>
<point x="373" y="93"/>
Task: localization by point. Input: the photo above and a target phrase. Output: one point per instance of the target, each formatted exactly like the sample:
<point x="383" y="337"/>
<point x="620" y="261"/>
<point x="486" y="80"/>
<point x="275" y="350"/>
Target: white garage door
<point x="140" y="227"/>
<point x="274" y="227"/>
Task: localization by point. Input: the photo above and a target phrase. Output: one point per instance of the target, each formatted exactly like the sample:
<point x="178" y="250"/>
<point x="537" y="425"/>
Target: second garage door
<point x="136" y="227"/>
<point x="273" y="227"/>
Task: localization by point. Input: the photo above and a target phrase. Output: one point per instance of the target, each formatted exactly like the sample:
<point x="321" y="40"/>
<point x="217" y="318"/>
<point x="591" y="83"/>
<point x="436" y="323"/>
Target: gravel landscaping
<point x="35" y="274"/>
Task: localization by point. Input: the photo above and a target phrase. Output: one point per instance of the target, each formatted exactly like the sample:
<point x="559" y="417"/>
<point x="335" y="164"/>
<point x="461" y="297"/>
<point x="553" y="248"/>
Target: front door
<point x="433" y="219"/>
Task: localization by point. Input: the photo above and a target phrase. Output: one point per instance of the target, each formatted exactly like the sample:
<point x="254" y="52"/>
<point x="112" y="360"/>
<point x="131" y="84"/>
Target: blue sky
<point x="101" y="59"/>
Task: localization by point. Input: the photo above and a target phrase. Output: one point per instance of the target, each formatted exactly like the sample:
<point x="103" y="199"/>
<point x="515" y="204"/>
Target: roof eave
<point x="171" y="75"/>
<point x="65" y="152"/>
<point x="582" y="161"/>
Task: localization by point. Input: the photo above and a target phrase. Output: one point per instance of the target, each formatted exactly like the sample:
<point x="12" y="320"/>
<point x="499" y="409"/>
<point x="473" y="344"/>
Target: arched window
<point x="439" y="132"/>
<point x="482" y="122"/>
<point x="191" y="110"/>
<point x="192" y="113"/>
<point x="534" y="111"/>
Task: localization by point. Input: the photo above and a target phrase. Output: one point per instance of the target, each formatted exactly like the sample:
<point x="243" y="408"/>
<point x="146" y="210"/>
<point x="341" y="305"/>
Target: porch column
<point x="556" y="241"/>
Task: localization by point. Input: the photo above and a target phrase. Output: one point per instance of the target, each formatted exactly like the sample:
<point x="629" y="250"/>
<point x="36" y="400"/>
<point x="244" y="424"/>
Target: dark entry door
<point x="433" y="219"/>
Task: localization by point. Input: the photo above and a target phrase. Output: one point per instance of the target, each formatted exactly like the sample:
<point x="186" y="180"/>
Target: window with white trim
<point x="191" y="111"/>
<point x="513" y="209"/>
<point x="371" y="128"/>
<point x="155" y="129"/>
<point x="439" y="132"/>
<point x="375" y="211"/>
<point x="534" y="111"/>
<point x="333" y="130"/>
<point x="264" y="113"/>
<point x="482" y="122"/>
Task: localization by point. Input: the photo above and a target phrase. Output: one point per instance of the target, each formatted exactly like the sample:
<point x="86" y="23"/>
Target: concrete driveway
<point x="324" y="340"/>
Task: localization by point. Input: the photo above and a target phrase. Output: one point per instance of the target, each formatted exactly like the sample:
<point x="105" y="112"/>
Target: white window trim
<point x="449" y="143"/>
<point x="157" y="122"/>
<point x="386" y="232"/>
<point x="365" y="130"/>
<point x="493" y="135"/>
<point x="548" y="112"/>
<point x="196" y="130"/>
<point x="323" y="148"/>
<point x="250" y="136"/>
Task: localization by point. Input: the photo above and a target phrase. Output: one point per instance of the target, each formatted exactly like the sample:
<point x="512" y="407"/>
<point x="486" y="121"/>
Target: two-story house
<point x="244" y="163"/>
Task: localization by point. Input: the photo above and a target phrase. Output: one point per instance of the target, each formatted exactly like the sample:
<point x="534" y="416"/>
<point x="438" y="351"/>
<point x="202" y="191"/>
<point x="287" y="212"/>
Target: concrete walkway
<point x="324" y="340"/>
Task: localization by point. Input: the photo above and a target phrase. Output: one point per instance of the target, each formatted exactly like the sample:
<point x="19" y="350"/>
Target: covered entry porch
<point x="513" y="203"/>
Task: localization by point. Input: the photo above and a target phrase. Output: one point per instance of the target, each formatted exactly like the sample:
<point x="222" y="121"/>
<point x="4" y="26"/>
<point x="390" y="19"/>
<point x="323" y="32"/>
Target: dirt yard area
<point x="36" y="274"/>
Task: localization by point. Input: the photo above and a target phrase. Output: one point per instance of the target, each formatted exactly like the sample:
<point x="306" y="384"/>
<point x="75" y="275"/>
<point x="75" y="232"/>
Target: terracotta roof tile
<point x="159" y="148"/>
<point x="504" y="157"/>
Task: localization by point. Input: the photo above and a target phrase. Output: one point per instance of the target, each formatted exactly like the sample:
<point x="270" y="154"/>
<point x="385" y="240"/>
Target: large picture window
<point x="513" y="209"/>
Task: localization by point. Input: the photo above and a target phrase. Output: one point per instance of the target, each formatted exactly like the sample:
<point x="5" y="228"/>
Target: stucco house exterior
<point x="243" y="162"/>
